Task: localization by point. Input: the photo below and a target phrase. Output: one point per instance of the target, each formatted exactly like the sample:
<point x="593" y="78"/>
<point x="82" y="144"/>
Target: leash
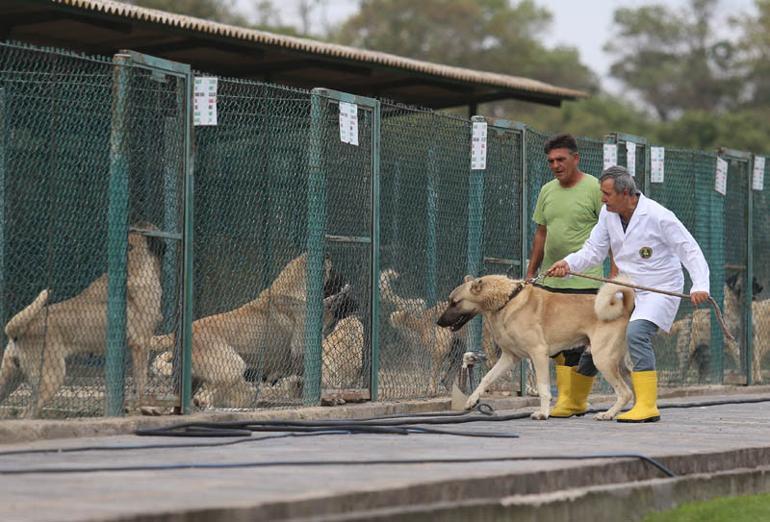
<point x="713" y="303"/>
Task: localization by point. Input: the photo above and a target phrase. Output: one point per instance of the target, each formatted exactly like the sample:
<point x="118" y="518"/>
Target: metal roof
<point x="107" y="26"/>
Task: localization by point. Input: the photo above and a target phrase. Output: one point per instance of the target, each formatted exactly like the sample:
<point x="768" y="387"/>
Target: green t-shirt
<point x="569" y="214"/>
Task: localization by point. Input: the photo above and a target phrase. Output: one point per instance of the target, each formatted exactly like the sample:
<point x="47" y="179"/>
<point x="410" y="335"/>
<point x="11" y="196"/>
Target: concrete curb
<point x="623" y="489"/>
<point x="628" y="502"/>
<point x="17" y="431"/>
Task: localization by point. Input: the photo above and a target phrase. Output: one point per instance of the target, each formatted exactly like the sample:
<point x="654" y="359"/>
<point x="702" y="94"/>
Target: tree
<point x="215" y="10"/>
<point x="754" y="54"/>
<point x="673" y="59"/>
<point x="492" y="35"/>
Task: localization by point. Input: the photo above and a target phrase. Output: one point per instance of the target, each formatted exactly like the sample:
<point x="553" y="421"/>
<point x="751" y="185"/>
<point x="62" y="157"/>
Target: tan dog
<point x="694" y="331"/>
<point x="528" y="321"/>
<point x="416" y="323"/>
<point x="267" y="333"/>
<point x="42" y="335"/>
<point x="343" y="353"/>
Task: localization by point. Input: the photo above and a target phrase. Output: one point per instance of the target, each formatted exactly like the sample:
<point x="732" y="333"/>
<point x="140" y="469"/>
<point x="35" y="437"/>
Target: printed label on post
<point x="758" y="180"/>
<point x="657" y="160"/>
<point x="205" y="101"/>
<point x="610" y="155"/>
<point x="631" y="158"/>
<point x="479" y="145"/>
<point x="349" y="123"/>
<point x="720" y="181"/>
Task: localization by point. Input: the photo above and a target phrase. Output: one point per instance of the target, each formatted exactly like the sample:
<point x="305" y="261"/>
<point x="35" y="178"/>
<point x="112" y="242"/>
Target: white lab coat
<point x="656" y="231"/>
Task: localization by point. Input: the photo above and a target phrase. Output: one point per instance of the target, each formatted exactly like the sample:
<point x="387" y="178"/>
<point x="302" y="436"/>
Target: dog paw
<point x="539" y="415"/>
<point x="604" y="416"/>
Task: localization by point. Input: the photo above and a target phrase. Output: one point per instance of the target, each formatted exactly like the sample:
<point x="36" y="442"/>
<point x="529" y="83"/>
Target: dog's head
<point x="478" y="295"/>
<point x="338" y="306"/>
<point x="735" y="284"/>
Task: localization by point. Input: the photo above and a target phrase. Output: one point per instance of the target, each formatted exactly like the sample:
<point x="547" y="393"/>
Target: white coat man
<point x="650" y="245"/>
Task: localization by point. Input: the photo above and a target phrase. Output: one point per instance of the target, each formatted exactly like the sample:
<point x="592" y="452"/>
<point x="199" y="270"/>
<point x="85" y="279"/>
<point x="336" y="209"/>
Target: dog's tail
<point x="614" y="301"/>
<point x="19" y="322"/>
<point x="162" y="342"/>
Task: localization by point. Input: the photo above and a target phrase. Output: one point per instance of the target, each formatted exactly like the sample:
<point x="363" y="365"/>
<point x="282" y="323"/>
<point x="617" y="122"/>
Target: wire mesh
<point x="424" y="200"/>
<point x="692" y="352"/>
<point x="269" y="176"/>
<point x="760" y="307"/>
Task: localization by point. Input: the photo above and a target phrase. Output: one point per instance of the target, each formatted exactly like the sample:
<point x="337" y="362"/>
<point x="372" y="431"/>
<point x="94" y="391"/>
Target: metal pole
<point x="374" y="324"/>
<point x="524" y="238"/>
<point x="117" y="239"/>
<point x="749" y="293"/>
<point x="187" y="245"/>
<point x="316" y="224"/>
<point x="475" y="226"/>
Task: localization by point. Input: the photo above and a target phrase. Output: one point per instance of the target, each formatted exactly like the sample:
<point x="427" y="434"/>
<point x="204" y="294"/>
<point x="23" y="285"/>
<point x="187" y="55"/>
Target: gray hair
<point x="623" y="180"/>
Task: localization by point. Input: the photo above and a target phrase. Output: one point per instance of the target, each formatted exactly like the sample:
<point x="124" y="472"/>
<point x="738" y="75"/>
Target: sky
<point x="584" y="24"/>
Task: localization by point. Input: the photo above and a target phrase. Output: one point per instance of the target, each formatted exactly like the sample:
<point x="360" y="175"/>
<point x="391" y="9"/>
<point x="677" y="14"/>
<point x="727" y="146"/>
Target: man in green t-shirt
<point x="566" y="211"/>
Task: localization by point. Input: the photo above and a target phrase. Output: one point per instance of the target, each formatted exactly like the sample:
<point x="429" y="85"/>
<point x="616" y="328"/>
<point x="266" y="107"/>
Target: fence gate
<point x="343" y="229"/>
<point x="150" y="176"/>
<point x="738" y="267"/>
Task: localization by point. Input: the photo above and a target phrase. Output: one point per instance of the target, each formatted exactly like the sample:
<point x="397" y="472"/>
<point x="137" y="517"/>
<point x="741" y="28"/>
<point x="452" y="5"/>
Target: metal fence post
<point x="375" y="270"/>
<point x="475" y="228"/>
<point x="316" y="225"/>
<point x="749" y="293"/>
<point x="117" y="239"/>
<point x="187" y="246"/>
<point x="524" y="237"/>
<point x="3" y="145"/>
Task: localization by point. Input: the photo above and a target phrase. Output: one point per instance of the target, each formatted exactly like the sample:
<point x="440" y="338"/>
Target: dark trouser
<point x="579" y="357"/>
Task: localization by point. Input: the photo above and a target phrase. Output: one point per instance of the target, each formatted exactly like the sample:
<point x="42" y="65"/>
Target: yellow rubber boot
<point x="646" y="398"/>
<point x="573" y="400"/>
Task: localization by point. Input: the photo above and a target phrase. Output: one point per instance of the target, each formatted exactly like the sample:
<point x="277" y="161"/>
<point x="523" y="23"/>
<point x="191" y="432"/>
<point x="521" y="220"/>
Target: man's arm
<point x="538" y="249"/>
<point x="690" y="254"/>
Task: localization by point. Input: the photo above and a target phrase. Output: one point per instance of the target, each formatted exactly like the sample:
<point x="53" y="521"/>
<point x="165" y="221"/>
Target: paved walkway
<point x="687" y="440"/>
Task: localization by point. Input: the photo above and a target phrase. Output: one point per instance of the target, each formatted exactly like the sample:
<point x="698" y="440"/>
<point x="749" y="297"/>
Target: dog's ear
<point x="756" y="287"/>
<point x="468" y="278"/>
<point x="476" y="286"/>
<point x="731" y="281"/>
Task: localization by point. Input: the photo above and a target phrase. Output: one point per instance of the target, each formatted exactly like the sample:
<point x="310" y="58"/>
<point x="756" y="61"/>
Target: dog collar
<point x="516" y="291"/>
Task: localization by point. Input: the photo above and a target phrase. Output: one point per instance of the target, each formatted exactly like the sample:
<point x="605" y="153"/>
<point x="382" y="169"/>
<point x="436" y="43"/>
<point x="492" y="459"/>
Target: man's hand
<point x="559" y="269"/>
<point x="699" y="297"/>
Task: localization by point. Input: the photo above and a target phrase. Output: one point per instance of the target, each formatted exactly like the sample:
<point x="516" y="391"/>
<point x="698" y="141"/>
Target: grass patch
<point x="734" y="509"/>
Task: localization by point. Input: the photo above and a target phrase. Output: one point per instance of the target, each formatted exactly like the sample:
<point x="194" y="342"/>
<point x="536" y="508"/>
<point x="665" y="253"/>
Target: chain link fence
<point x="300" y="268"/>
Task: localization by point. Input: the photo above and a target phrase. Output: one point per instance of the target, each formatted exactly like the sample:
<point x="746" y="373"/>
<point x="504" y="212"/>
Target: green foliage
<point x="215" y="10"/>
<point x="491" y="35"/>
<point x="734" y="509"/>
<point x="673" y="59"/>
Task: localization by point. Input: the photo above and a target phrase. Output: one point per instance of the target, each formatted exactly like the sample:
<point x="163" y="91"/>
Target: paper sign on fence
<point x="349" y="123"/>
<point x="758" y="180"/>
<point x="720" y="181"/>
<point x="205" y="101"/>
<point x="610" y="155"/>
<point x="631" y="158"/>
<point x="657" y="160"/>
<point x="479" y="145"/>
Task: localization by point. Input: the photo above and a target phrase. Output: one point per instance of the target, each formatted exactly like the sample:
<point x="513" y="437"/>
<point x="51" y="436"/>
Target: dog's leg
<point x="543" y="377"/>
<point x="503" y="365"/>
<point x="51" y="378"/>
<point x="139" y="358"/>
<point x="609" y="358"/>
<point x="11" y="375"/>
